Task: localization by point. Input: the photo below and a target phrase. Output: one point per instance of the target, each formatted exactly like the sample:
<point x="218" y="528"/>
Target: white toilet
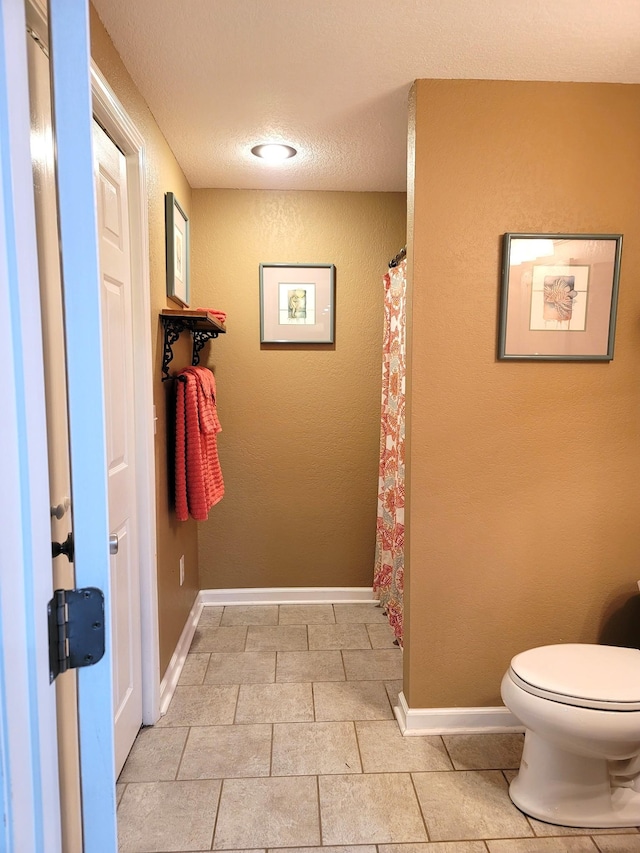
<point x="580" y="705"/>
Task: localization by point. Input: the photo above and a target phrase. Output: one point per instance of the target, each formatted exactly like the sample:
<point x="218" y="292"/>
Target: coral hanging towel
<point x="199" y="483"/>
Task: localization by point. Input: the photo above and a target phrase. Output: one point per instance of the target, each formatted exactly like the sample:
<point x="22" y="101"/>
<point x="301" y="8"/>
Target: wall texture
<point x="299" y="447"/>
<point x="523" y="495"/>
<point x="163" y="175"/>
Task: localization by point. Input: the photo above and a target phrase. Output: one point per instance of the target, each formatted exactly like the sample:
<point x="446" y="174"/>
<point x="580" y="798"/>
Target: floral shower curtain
<point x="388" y="580"/>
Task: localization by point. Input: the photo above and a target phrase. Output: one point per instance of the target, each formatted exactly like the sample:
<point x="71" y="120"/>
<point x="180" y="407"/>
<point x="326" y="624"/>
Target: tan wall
<point x="524" y="492"/>
<point x="299" y="447"/>
<point x="163" y="175"/>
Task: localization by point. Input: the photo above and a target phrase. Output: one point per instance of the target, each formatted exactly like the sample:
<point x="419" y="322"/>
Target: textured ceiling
<point x="331" y="77"/>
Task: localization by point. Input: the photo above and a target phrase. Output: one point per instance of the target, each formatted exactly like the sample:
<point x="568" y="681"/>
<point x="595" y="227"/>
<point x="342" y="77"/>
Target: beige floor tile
<point x="364" y="613"/>
<point x="381" y="636"/>
<point x="384" y="749"/>
<point x="308" y="749"/>
<point x="167" y="816"/>
<point x="306" y="614"/>
<point x="468" y="805"/>
<point x="219" y="752"/>
<point x="338" y="637"/>
<point x="376" y="809"/>
<point x="119" y="792"/>
<point x="277" y="638"/>
<point x="275" y="703"/>
<point x="210" y="616"/>
<point x="194" y="669"/>
<point x="436" y="847"/>
<point x="241" y="668"/>
<point x="543" y="845"/>
<point x="617" y="843"/>
<point x="485" y="752"/>
<point x="268" y="813"/>
<point x="384" y="664"/>
<point x="310" y="666"/>
<point x="351" y="700"/>
<point x="250" y="614"/>
<point x="231" y="639"/>
<point x="208" y="705"/>
<point x="155" y="755"/>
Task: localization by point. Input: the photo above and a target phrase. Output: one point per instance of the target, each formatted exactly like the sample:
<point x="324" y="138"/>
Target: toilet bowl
<point x="580" y="705"/>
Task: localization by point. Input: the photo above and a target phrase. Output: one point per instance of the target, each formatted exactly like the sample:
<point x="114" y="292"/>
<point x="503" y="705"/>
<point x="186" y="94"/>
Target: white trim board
<point x="454" y="721"/>
<point x="289" y="595"/>
<point x="171" y="676"/>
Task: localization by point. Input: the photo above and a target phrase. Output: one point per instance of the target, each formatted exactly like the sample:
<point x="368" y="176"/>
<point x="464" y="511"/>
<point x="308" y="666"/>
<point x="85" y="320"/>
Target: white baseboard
<point x="454" y="721"/>
<point x="289" y="595"/>
<point x="171" y="676"/>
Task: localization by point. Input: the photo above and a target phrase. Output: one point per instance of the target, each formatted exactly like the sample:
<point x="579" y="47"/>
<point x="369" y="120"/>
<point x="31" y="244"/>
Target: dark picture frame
<point x="559" y="295"/>
<point x="297" y="303"/>
<point x="177" y="251"/>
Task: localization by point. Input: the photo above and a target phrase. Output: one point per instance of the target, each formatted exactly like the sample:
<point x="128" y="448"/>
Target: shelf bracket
<point x="173" y="327"/>
<point x="200" y="337"/>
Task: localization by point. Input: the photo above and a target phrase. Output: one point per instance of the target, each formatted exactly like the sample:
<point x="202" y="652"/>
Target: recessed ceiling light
<point x="274" y="152"/>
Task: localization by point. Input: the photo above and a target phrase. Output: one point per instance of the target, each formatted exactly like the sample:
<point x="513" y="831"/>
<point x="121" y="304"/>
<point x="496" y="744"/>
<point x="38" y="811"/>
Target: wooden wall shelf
<point x="202" y="324"/>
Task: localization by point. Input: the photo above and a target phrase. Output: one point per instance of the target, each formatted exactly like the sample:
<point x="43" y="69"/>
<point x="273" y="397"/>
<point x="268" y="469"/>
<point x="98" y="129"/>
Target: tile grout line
<point x="415" y="793"/>
<point x="273" y="737"/>
<point x="184" y="748"/>
<point x="215" y="822"/>
<point x="355" y="731"/>
<point x="453" y="766"/>
<point x="319" y="810"/>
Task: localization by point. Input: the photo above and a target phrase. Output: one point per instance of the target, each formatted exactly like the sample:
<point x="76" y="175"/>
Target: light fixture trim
<point x="274" y="152"/>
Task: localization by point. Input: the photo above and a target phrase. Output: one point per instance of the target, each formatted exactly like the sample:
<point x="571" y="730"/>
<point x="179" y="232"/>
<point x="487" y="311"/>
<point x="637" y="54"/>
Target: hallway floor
<point x="281" y="734"/>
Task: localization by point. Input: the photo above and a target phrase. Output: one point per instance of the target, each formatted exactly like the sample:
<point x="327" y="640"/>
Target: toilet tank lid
<point x="584" y="671"/>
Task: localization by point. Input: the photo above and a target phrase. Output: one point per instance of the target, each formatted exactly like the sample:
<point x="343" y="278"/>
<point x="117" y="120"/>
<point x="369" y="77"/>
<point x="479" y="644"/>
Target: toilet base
<point x="570" y="790"/>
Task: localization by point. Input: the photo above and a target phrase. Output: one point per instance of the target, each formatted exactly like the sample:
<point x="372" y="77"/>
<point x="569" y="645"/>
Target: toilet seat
<point x="605" y="678"/>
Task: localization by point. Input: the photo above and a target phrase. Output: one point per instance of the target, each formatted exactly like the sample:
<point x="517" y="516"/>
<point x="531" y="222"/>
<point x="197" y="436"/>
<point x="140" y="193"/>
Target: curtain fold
<point x="388" y="580"/>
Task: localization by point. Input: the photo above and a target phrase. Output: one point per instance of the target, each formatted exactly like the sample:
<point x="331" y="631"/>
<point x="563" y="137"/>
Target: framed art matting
<point x="177" y="242"/>
<point x="559" y="296"/>
<point x="297" y="303"/>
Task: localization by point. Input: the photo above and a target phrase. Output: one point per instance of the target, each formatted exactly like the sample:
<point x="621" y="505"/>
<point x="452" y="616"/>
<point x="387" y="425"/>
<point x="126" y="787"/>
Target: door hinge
<point x="76" y="629"/>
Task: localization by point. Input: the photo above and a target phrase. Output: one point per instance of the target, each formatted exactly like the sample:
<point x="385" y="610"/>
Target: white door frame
<point x="111" y="115"/>
<point x="29" y="805"/>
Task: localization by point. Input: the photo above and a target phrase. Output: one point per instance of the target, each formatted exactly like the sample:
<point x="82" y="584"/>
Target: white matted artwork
<point x="559" y="298"/>
<point x="297" y="303"/>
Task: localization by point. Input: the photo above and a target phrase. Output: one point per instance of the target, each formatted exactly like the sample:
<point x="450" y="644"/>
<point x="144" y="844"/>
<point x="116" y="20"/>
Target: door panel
<point x="117" y="344"/>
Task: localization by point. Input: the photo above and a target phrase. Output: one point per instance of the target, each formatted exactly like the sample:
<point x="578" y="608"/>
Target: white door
<point x="69" y="56"/>
<point x="117" y="345"/>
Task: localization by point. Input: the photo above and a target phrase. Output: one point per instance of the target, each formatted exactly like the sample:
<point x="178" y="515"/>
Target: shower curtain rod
<point x="395" y="261"/>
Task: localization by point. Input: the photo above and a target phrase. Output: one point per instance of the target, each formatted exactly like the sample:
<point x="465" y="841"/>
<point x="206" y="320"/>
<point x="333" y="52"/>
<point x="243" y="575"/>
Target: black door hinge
<point x="76" y="629"/>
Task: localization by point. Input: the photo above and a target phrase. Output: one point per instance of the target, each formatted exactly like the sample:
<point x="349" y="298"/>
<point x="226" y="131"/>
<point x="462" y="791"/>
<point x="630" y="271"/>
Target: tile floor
<point x="281" y="735"/>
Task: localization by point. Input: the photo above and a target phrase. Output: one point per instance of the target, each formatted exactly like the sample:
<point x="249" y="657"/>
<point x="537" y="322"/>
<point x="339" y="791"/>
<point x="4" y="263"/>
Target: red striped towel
<point x="199" y="483"/>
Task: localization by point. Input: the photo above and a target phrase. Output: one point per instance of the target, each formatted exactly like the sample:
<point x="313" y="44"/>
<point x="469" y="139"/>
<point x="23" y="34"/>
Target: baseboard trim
<point x="289" y="595"/>
<point x="454" y="721"/>
<point x="171" y="676"/>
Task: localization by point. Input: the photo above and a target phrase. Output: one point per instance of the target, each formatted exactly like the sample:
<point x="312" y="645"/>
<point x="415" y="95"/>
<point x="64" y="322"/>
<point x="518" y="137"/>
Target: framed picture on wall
<point x="297" y="303"/>
<point x="177" y="242"/>
<point x="559" y="296"/>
